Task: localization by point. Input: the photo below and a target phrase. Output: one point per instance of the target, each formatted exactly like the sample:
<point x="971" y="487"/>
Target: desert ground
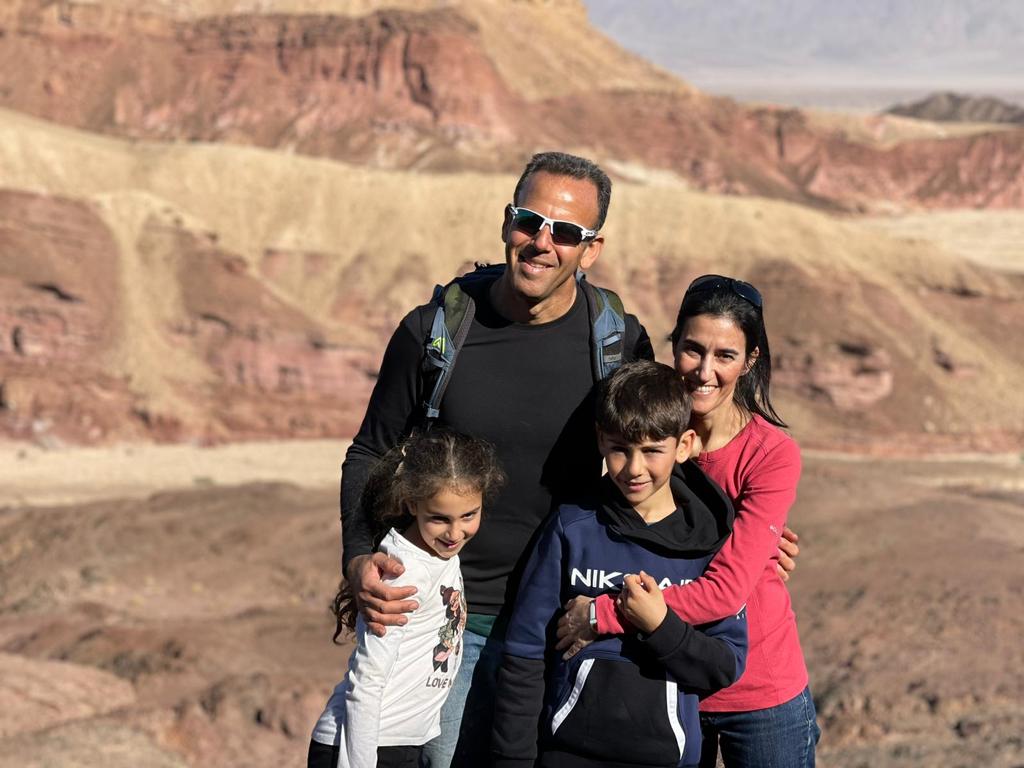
<point x="167" y="605"/>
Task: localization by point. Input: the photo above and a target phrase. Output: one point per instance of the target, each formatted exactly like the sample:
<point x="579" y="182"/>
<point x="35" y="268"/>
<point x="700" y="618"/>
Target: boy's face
<point x="641" y="471"/>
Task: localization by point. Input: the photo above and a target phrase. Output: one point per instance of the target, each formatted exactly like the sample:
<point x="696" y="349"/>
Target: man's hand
<point x="574" y="630"/>
<point x="382" y="606"/>
<point x="788" y="550"/>
<point x="641" y="602"/>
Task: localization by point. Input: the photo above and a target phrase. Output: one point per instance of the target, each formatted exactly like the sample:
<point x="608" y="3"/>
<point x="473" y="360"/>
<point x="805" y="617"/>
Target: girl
<point x="767" y="718"/>
<point x="428" y="492"/>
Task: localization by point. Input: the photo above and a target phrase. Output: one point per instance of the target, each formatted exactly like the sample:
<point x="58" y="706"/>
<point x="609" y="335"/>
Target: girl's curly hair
<point x="415" y="470"/>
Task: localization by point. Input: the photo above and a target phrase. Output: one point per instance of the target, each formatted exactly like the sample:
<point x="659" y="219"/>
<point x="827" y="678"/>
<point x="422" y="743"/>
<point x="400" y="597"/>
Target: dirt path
<point x="32" y="476"/>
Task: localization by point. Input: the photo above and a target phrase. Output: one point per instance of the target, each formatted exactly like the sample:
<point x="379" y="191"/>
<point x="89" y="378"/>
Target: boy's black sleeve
<point x="702" y="660"/>
<point x="518" y="703"/>
<point x="519" y="697"/>
<point x="390" y="414"/>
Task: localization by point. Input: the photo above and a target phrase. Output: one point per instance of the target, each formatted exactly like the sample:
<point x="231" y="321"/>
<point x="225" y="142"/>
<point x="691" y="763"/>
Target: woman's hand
<point x="641" y="602"/>
<point x="574" y="631"/>
<point x="788" y="550"/>
<point x="382" y="606"/>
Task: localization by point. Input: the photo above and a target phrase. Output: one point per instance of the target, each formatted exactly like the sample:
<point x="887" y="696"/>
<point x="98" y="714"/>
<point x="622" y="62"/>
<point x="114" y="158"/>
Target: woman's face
<point x="711" y="356"/>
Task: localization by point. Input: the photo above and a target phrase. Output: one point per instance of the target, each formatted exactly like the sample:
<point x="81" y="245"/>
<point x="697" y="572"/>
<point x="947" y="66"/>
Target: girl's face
<point x="445" y="522"/>
<point x="711" y="356"/>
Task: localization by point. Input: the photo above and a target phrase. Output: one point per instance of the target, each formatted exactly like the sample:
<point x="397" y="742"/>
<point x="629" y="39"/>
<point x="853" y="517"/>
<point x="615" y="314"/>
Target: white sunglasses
<point x="562" y="232"/>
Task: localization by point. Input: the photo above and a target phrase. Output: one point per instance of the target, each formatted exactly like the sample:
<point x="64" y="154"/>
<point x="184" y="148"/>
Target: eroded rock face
<point x="370" y="88"/>
<point x="278" y="371"/>
<point x="847" y="375"/>
<point x="65" y="359"/>
<point x="58" y="310"/>
<point x="37" y="694"/>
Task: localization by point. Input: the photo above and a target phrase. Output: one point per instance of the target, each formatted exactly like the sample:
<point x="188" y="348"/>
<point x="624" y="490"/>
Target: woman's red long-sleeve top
<point x="759" y="470"/>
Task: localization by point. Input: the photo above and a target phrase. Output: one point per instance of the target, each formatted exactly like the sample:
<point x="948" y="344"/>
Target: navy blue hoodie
<point x="623" y="700"/>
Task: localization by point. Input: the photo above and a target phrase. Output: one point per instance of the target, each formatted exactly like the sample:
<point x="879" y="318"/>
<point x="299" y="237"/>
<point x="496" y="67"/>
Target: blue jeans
<point x="468" y="713"/>
<point x="783" y="736"/>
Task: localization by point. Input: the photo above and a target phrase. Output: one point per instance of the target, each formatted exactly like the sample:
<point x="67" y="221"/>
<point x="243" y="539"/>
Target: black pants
<point x="324" y="756"/>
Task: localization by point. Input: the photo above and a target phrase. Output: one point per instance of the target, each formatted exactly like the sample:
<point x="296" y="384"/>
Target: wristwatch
<point x="593" y="615"/>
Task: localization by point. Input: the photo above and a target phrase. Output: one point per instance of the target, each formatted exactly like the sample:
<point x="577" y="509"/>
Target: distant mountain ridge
<point x="949" y="107"/>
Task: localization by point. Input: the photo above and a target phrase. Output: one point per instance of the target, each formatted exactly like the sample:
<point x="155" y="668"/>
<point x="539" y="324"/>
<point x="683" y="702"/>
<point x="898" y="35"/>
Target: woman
<point x="767" y="718"/>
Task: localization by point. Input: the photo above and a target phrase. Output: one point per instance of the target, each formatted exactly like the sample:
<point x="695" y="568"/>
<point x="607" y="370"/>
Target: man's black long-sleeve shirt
<point x="525" y="389"/>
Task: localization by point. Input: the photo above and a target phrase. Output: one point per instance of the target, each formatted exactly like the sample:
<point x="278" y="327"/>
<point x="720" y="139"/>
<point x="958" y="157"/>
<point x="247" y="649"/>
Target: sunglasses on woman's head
<point x="562" y="232"/>
<point x="708" y="283"/>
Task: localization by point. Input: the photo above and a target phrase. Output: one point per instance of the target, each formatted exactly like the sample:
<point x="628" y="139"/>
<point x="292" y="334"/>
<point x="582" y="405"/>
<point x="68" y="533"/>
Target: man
<point x="522" y="382"/>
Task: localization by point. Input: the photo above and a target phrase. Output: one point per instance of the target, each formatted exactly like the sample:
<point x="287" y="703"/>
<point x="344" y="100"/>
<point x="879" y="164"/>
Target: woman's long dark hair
<point x="720" y="299"/>
<point x="416" y="470"/>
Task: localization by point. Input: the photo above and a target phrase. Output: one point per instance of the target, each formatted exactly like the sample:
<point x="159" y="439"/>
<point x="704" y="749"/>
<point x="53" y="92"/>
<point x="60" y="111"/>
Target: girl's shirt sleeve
<point x="762" y="506"/>
<point x="372" y="664"/>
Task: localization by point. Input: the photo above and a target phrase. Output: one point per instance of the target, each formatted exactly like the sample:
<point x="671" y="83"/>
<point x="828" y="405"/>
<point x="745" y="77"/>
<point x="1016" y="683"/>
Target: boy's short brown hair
<point x="643" y="400"/>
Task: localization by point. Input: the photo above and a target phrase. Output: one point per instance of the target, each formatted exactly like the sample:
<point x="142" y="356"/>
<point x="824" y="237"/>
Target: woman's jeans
<point x="783" y="736"/>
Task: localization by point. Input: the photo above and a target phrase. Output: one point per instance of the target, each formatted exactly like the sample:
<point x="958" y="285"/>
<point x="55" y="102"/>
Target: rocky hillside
<point x="212" y="223"/>
<point x="455" y="87"/>
<point x="171" y="339"/>
<point x="217" y="292"/>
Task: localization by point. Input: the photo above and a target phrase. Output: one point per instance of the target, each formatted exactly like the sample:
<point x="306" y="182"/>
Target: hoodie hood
<point x="699" y="526"/>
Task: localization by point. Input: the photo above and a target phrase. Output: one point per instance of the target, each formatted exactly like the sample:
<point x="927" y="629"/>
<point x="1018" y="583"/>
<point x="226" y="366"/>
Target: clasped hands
<point x="640" y="602"/>
<point x="642" y="607"/>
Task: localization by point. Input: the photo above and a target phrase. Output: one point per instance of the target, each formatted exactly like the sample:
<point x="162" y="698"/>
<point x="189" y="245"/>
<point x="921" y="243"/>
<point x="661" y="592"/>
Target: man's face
<point x="539" y="268"/>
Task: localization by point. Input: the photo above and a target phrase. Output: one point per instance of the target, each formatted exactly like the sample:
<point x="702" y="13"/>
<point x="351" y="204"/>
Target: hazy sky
<point x="818" y="45"/>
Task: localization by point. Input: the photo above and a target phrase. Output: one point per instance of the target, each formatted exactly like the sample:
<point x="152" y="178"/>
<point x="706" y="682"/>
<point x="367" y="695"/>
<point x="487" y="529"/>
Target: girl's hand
<point x="641" y="602"/>
<point x="574" y="631"/>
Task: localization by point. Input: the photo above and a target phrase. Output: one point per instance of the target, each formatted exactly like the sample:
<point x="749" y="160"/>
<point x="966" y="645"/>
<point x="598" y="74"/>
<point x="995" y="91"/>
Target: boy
<point x="623" y="700"/>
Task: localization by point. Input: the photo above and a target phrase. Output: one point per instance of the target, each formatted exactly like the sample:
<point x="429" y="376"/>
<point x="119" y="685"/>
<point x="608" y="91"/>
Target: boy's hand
<point x="574" y="631"/>
<point x="788" y="550"/>
<point x="382" y="606"/>
<point x="641" y="602"/>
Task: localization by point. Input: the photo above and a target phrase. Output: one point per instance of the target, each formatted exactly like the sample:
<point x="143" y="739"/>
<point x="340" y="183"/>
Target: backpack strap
<point x="607" y="328"/>
<point x="453" y="317"/>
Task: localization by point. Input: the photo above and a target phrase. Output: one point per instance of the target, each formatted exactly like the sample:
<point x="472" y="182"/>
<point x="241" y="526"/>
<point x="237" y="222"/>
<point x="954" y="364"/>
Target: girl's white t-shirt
<point x="396" y="684"/>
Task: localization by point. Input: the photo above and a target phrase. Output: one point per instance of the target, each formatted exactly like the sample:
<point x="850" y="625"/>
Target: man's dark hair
<point x="562" y="164"/>
<point x="641" y="401"/>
